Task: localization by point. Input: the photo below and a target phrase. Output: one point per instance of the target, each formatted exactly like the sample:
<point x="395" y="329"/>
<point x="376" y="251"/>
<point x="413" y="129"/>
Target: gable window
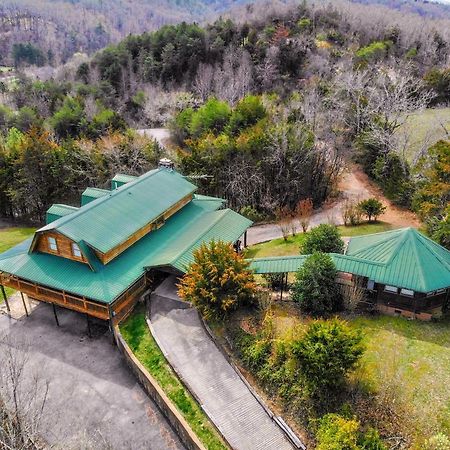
<point x="53" y="246"/>
<point x="76" y="250"/>
<point x="392" y="289"/>
<point x="407" y="292"/>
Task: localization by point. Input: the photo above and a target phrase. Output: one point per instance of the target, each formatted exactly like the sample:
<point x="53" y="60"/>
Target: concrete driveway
<point x="91" y="391"/>
<point x="223" y="394"/>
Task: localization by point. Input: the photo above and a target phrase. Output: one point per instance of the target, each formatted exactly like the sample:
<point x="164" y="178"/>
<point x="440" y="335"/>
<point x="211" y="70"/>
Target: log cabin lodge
<point x="99" y="259"/>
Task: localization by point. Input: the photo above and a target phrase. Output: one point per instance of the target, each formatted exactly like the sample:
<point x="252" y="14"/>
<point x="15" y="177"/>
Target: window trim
<point x="76" y="251"/>
<point x="52" y="244"/>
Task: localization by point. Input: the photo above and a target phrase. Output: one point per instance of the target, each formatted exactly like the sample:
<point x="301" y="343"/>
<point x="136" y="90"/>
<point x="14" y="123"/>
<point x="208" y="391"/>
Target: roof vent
<point x="166" y="163"/>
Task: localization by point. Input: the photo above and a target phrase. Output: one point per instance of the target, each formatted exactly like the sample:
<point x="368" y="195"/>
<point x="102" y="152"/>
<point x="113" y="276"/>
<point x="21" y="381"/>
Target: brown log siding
<point x="64" y="246"/>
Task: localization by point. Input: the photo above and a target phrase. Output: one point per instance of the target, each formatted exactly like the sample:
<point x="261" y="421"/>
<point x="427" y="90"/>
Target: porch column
<point x="245" y="239"/>
<point x="6" y="300"/>
<point x="23" y="302"/>
<point x="56" y="316"/>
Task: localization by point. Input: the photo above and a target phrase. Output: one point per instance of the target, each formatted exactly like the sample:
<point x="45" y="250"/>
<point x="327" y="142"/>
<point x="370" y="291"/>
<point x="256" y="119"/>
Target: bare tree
<point x="204" y="81"/>
<point x="304" y="212"/>
<point x="284" y="220"/>
<point x="23" y="397"/>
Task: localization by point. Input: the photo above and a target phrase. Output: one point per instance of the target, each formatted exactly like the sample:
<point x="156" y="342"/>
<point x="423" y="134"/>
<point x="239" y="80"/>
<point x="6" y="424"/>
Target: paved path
<point x="226" y="398"/>
<point x="94" y="400"/>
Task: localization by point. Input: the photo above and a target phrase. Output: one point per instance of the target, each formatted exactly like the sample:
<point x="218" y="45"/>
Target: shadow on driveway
<point x="91" y="390"/>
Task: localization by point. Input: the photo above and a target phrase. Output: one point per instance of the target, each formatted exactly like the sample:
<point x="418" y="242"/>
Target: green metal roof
<point x="108" y="221"/>
<point x="91" y="193"/>
<point x="171" y="245"/>
<point x="409" y="259"/>
<point x="57" y="211"/>
<point x="120" y="179"/>
<point x="403" y="258"/>
<point x="225" y="225"/>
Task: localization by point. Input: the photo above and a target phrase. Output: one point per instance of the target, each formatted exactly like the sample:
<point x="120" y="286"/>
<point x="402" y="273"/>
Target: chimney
<point x="166" y="163"/>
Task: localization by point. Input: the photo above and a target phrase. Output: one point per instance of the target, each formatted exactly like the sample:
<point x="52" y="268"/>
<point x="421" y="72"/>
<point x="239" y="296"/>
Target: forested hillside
<point x="49" y="32"/>
<point x="55" y="30"/>
<point x="255" y="105"/>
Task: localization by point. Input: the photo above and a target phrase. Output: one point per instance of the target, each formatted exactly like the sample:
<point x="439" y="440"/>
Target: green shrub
<point x="438" y="442"/>
<point x="337" y="433"/>
<point x="326" y="353"/>
<point x="375" y="50"/>
<point x="315" y="289"/>
<point x="212" y="116"/>
<point x="246" y="113"/>
<point x="323" y="238"/>
<point x="252" y="214"/>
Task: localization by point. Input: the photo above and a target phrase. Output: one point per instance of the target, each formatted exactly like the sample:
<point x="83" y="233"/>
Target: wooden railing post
<point x="6" y="300"/>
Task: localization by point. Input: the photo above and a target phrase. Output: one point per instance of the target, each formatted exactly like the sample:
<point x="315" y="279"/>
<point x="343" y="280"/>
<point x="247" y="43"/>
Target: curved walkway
<point x="223" y="394"/>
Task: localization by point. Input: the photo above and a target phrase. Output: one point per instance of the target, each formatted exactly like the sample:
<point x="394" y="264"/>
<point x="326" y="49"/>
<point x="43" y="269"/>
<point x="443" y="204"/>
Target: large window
<point x="407" y="292"/>
<point x="76" y="250"/>
<point x="391" y="289"/>
<point x="53" y="246"/>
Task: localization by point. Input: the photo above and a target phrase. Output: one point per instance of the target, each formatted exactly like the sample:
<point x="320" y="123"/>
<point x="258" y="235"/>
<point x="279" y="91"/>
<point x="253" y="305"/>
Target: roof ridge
<point x="370" y="245"/>
<point x="405" y="234"/>
<point x="420" y="268"/>
<point x="97" y="189"/>
<point x="100" y="200"/>
<point x="64" y="205"/>
<point x="433" y="250"/>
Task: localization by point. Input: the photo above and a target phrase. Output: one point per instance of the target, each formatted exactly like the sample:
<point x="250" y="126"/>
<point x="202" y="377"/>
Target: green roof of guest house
<point x="404" y="258"/>
<point x="108" y="220"/>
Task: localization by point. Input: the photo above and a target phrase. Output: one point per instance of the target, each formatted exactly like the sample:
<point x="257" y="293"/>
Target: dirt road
<point x="354" y="185"/>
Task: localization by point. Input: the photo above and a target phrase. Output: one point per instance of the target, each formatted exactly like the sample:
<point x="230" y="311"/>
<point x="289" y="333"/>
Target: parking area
<point x="92" y="396"/>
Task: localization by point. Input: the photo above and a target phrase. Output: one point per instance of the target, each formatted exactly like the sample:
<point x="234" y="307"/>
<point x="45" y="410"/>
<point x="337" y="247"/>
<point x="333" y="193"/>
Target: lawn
<point x="9" y="237"/>
<point x="425" y="129"/>
<point x="137" y="335"/>
<point x="406" y="362"/>
<point x="280" y="247"/>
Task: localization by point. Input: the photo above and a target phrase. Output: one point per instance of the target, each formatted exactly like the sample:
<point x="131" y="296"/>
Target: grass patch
<point x="9" y="237"/>
<point x="425" y="129"/>
<point x="280" y="247"/>
<point x="409" y="361"/>
<point x="137" y="335"/>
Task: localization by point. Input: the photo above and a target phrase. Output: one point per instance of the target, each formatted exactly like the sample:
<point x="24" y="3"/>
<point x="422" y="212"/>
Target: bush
<point x="212" y="116"/>
<point x="315" y="289"/>
<point x="438" y="442"/>
<point x="218" y="281"/>
<point x="336" y="432"/>
<point x="372" y="208"/>
<point x="252" y="214"/>
<point x="326" y="353"/>
<point x="246" y="113"/>
<point x="323" y="238"/>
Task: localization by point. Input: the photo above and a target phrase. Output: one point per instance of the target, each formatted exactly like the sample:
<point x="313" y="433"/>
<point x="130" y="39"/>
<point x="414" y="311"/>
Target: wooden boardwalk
<point x="223" y="394"/>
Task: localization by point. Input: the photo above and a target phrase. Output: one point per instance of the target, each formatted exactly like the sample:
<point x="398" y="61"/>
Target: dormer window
<point x="52" y="245"/>
<point x="76" y="250"/>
